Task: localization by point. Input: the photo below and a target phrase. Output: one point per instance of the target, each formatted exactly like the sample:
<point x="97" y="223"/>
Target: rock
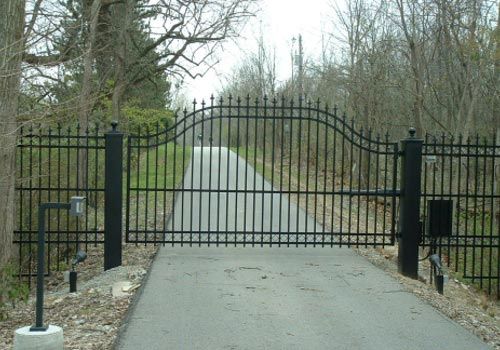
<point x="118" y="289"/>
<point x="130" y="288"/>
<point x="79" y="322"/>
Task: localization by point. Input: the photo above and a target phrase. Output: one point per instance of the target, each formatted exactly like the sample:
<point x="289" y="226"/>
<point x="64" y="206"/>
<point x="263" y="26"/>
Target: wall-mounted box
<point x="439" y="217"/>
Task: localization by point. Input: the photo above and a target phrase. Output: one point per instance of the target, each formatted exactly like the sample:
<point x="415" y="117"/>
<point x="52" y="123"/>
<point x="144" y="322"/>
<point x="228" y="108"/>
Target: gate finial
<point x="114" y="124"/>
<point x="412" y="131"/>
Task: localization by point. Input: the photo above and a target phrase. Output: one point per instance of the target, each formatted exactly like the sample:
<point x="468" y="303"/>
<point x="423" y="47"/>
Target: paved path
<point x="280" y="298"/>
<point x="240" y="211"/>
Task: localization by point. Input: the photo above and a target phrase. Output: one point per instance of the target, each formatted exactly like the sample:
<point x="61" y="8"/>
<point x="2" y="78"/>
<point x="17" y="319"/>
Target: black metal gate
<point x="270" y="172"/>
<point x="267" y="172"/>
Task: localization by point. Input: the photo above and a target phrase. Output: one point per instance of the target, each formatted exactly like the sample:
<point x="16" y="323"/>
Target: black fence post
<point x="113" y="198"/>
<point x="409" y="210"/>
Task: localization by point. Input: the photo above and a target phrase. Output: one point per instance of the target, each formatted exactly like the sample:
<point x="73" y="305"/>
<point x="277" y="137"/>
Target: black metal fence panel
<point x="260" y="172"/>
<point x="263" y="172"/>
<point x="467" y="172"/>
<point x="54" y="164"/>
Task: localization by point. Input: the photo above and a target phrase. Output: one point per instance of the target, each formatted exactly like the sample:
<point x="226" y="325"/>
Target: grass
<point x="156" y="167"/>
<point x="154" y="176"/>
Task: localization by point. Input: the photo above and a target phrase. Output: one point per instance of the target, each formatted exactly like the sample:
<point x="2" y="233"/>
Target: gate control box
<point x="439" y="217"/>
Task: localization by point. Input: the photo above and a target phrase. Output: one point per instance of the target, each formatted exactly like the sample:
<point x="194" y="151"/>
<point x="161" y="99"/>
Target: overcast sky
<point x="280" y="20"/>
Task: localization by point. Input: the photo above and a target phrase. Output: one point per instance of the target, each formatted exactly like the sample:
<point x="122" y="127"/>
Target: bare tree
<point x="186" y="35"/>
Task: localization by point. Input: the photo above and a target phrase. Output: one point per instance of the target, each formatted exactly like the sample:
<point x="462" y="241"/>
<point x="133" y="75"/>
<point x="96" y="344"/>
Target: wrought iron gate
<point x="267" y="172"/>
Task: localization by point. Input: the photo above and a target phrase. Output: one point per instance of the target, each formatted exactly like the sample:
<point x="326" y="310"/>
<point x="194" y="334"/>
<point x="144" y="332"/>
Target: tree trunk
<point x="86" y="102"/>
<point x="11" y="48"/>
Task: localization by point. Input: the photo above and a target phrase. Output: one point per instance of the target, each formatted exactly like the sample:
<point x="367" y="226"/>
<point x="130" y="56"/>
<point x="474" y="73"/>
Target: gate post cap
<point x="412" y="131"/>
<point x="114" y="124"/>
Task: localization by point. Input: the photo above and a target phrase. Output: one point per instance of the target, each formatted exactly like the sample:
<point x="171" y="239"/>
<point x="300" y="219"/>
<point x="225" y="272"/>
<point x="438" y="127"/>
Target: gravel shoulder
<point x="91" y="317"/>
<point x="464" y="304"/>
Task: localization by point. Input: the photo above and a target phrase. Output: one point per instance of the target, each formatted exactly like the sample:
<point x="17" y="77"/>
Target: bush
<point x="12" y="289"/>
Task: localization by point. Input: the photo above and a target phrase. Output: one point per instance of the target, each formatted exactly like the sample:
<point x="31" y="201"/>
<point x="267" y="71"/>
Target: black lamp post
<point x="75" y="207"/>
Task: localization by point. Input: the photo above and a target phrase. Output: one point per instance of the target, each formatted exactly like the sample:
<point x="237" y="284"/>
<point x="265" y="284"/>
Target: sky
<point x="280" y="20"/>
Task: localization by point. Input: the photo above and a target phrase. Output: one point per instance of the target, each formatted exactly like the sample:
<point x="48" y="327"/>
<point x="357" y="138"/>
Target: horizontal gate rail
<point x="368" y="193"/>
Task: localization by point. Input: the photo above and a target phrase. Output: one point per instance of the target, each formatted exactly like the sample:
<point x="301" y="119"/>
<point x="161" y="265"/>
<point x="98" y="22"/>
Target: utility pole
<point x="292" y="54"/>
<point x="301" y="67"/>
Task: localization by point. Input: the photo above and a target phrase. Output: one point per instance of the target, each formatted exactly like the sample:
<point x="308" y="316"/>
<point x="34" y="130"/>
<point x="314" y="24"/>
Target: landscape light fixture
<point x="75" y="208"/>
<point x="435" y="261"/>
<point x="80" y="256"/>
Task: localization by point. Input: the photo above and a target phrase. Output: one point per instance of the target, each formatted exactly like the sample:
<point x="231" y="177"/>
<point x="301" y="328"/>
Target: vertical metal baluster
<point x="49" y="159"/>
<point x="474" y="221"/>
<point x="342" y="177"/>
<point x="97" y="140"/>
<point x="175" y="132"/>
<point x="68" y="186"/>
<point x="228" y="149"/>
<point x="387" y="153"/>
<point x="272" y="169"/>
<point x="156" y="170"/>
<point x="441" y="194"/>
<point x="308" y="161"/>
<point x="184" y="171"/>
<point x="282" y="149"/>
<point x="21" y="184"/>
<point x="202" y="174"/>
<point x="86" y="187"/>
<point x="450" y="192"/>
<point x="39" y="175"/>
<point x="299" y="142"/>
<point x="368" y="160"/>
<point x="289" y="219"/>
<point x="165" y="176"/>
<point x="263" y="196"/>
<point x="59" y="190"/>
<point x="334" y="160"/>
<point x="209" y="214"/>
<point x="247" y="117"/>
<point x="492" y="219"/>
<point x="146" y="190"/>
<point x="191" y="189"/>
<point x="394" y="187"/>
<point x="30" y="224"/>
<point x="236" y="194"/>
<point x="77" y="184"/>
<point x="351" y="163"/>
<point x="466" y="221"/>
<point x="325" y="172"/>
<point x="360" y="166"/>
<point x="316" y="176"/>
<point x="254" y="188"/>
<point x="219" y="194"/>
<point x="457" y="204"/>
<point x="433" y="193"/>
<point x="137" y="192"/>
<point x="483" y="211"/>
